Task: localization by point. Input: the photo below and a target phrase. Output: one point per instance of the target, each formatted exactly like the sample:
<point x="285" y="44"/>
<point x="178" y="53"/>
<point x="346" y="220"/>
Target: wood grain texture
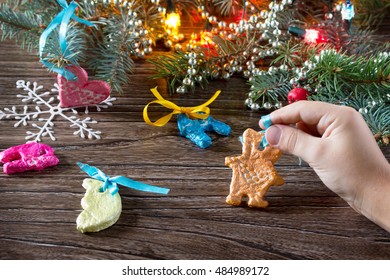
<point x="38" y="210"/>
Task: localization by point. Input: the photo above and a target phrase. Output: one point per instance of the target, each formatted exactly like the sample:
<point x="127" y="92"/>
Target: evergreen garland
<point x="246" y="37"/>
<point x="25" y="27"/>
<point x="123" y="30"/>
<point x="351" y="68"/>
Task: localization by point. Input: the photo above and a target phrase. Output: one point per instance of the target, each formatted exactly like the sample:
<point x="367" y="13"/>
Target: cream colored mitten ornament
<point x="101" y="209"/>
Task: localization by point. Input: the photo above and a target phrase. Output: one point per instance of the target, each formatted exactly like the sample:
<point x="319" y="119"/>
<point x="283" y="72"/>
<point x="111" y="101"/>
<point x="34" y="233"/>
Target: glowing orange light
<point x="172" y="21"/>
<point x="201" y="38"/>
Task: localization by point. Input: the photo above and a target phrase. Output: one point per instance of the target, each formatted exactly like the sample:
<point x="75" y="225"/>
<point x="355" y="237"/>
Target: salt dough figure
<point x="253" y="171"/>
<point x="194" y="130"/>
<point x="101" y="209"/>
<point x="25" y="157"/>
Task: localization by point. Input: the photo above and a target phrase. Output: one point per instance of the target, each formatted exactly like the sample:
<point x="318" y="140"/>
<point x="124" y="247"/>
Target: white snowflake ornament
<point x="43" y="120"/>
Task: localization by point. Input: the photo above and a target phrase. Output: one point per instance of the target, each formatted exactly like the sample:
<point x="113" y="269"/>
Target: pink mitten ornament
<point x="30" y="156"/>
<point x="81" y="92"/>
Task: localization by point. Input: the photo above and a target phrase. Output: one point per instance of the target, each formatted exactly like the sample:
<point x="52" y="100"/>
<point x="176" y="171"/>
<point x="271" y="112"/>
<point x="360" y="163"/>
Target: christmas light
<point x="309" y="35"/>
<point x="172" y="21"/>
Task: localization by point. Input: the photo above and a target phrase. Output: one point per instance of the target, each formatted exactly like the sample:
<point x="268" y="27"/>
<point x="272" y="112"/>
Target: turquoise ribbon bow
<point x="267" y="123"/>
<point x="112" y="183"/>
<point x="61" y="19"/>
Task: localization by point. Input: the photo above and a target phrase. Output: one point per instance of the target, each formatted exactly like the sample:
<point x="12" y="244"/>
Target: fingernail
<point x="266" y="120"/>
<point x="273" y="135"/>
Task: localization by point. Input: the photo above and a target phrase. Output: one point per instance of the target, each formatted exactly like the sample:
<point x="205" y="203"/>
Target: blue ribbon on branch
<point x="112" y="183"/>
<point x="61" y="19"/>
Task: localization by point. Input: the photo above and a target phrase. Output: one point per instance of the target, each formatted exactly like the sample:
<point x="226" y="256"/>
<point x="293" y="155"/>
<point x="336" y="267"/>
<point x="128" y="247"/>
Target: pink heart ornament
<point x="81" y="92"/>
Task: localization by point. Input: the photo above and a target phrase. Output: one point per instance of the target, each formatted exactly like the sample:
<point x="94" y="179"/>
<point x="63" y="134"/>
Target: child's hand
<point x="337" y="143"/>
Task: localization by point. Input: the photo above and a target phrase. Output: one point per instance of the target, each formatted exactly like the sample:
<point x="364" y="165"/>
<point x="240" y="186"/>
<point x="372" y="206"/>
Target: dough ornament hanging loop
<point x="62" y="20"/>
<point x="112" y="183"/>
<point x="102" y="204"/>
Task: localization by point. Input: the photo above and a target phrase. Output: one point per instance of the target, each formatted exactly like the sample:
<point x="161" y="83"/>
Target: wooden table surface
<point x="38" y="210"/>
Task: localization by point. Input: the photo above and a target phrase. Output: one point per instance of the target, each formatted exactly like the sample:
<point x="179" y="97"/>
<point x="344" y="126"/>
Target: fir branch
<point x="378" y="119"/>
<point x="332" y="71"/>
<point x="360" y="82"/>
<point x="76" y="47"/>
<point x="186" y="7"/>
<point x="170" y="66"/>
<point x="174" y="68"/>
<point x="310" y="12"/>
<point x="270" y="87"/>
<point x="24" y="27"/>
<point x="226" y="47"/>
<point x="290" y="16"/>
<point x="111" y="57"/>
<point x="376" y="115"/>
<point x="151" y="17"/>
<point x="226" y="7"/>
<point x="45" y="8"/>
<point x="371" y="13"/>
<point x="289" y="53"/>
<point x="335" y="35"/>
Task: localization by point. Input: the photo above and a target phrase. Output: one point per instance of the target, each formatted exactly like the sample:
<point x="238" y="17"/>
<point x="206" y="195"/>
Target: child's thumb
<point x="291" y="140"/>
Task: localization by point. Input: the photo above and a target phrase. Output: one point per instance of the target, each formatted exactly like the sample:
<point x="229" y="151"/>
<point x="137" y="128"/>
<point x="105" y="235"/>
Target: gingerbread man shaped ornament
<point x="253" y="171"/>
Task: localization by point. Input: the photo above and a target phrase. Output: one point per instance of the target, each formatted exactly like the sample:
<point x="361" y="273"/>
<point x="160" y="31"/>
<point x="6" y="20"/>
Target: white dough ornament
<point x="101" y="209"/>
<point x="102" y="204"/>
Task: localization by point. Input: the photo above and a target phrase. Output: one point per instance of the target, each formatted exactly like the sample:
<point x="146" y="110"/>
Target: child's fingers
<point x="308" y="112"/>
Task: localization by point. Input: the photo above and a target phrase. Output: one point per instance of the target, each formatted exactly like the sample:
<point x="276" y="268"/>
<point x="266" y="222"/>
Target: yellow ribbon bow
<point x="198" y="112"/>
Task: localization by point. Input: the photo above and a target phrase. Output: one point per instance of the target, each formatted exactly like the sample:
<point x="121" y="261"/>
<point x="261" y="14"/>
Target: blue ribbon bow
<point x="61" y="19"/>
<point x="267" y="122"/>
<point x="112" y="183"/>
